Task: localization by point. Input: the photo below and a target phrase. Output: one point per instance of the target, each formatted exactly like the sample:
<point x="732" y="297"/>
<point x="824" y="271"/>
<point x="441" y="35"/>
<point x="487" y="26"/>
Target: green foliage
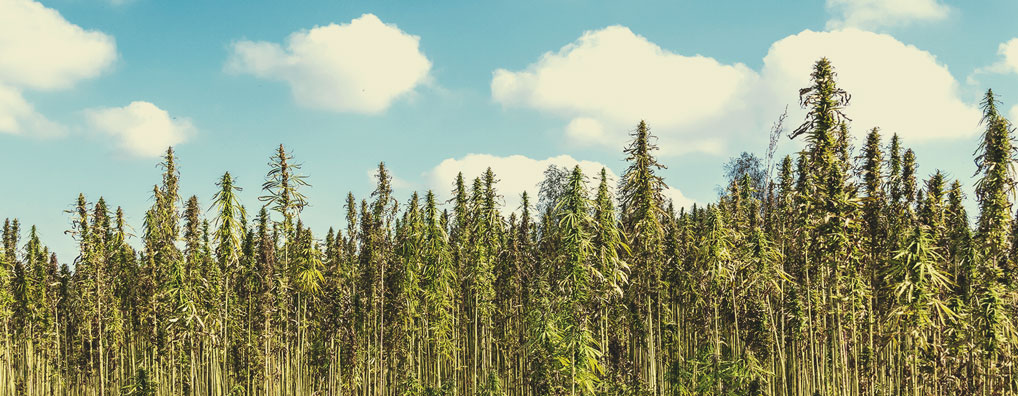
<point x="839" y="276"/>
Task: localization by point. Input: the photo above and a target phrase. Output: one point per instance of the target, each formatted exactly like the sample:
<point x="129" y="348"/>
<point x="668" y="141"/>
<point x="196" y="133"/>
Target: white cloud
<point x="893" y="85"/>
<point x="1013" y="114"/>
<point x="1009" y="50"/>
<point x="1008" y="62"/>
<point x="19" y="117"/>
<point x="141" y="128"/>
<point x="609" y="79"/>
<point x="42" y="50"/>
<point x="587" y="130"/>
<point x="679" y="200"/>
<point x="871" y="14"/>
<point x="515" y="174"/>
<point x="359" y="67"/>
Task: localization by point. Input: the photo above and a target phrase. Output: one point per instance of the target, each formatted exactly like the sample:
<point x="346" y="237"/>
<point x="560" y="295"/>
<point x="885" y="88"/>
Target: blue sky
<point x="91" y="90"/>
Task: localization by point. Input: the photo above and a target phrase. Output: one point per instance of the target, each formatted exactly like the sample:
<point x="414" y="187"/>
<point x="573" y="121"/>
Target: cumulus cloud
<point x="895" y="86"/>
<point x="1013" y="114"/>
<point x="359" y="67"/>
<point x="871" y="14"/>
<point x="609" y="79"/>
<point x="42" y="50"/>
<point x="140" y="128"/>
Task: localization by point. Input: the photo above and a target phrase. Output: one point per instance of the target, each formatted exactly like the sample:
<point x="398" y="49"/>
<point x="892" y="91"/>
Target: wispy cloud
<point x="874" y="14"/>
